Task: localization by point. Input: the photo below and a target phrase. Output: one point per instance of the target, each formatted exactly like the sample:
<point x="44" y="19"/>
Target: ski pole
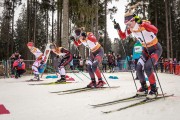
<point x="105" y="78"/>
<point x="83" y="73"/>
<point x="77" y="75"/>
<point x="152" y="64"/>
<point x="127" y="59"/>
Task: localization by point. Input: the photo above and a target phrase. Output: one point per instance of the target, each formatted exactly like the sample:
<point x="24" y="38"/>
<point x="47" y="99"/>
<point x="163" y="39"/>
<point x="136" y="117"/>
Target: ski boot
<point x="63" y="79"/>
<point x="36" y="77"/>
<point x="153" y="93"/>
<point x="100" y="83"/>
<point x="92" y="84"/>
<point x="143" y="90"/>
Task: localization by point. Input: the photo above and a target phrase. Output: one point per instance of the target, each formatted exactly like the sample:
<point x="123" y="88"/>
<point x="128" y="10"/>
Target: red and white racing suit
<point x="146" y="34"/>
<point x="96" y="55"/>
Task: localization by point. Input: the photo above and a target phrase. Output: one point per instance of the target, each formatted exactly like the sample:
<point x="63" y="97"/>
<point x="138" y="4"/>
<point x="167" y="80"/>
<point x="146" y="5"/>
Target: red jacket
<point x="19" y="65"/>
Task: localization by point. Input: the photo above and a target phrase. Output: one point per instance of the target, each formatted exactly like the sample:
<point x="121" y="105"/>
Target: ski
<point x="34" y="80"/>
<point x="84" y="89"/>
<point x="138" y="103"/>
<point x="52" y="83"/>
<point x="135" y="97"/>
<point x="71" y="90"/>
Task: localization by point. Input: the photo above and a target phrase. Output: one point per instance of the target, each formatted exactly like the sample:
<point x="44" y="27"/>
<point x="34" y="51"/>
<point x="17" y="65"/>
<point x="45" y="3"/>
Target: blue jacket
<point x="137" y="50"/>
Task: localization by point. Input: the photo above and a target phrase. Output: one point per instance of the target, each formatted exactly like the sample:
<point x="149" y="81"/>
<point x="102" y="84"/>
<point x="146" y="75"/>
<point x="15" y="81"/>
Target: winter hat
<point x="129" y="14"/>
<point x="31" y="44"/>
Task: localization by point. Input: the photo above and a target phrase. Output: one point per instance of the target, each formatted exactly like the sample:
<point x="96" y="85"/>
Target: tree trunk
<point x="96" y="27"/>
<point x="34" y="34"/>
<point x="170" y="30"/>
<point x="65" y="34"/>
<point x="58" y="23"/>
<point x="52" y="21"/>
<point x="156" y="17"/>
<point x="12" y="40"/>
<point x="105" y="31"/>
<point x="167" y="29"/>
<point x="47" y="24"/>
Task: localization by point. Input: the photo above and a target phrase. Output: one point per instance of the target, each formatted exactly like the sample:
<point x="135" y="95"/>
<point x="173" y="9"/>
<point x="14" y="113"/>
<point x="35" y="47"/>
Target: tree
<point x="65" y="35"/>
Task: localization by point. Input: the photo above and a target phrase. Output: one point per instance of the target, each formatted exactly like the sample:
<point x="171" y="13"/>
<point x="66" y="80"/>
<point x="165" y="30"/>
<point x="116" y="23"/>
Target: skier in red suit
<point x="97" y="53"/>
<point x="145" y="32"/>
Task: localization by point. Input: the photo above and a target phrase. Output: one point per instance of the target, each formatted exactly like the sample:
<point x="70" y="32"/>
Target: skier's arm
<point x="123" y="35"/>
<point x="146" y="24"/>
<point x="77" y="43"/>
<point x="91" y="37"/>
<point x="149" y="27"/>
<point x="67" y="53"/>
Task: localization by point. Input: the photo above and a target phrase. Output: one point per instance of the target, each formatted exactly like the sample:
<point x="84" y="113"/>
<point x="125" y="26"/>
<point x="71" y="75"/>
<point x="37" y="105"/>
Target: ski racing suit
<point x="96" y="55"/>
<point x="65" y="58"/>
<point x="39" y="59"/>
<point x="146" y="34"/>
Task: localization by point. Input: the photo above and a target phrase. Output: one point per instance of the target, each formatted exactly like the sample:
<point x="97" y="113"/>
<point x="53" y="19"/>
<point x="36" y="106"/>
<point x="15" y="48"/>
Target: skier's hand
<point x="42" y="62"/>
<point x="137" y="19"/>
<point x="72" y="38"/>
<point x="117" y="26"/>
<point x="83" y="34"/>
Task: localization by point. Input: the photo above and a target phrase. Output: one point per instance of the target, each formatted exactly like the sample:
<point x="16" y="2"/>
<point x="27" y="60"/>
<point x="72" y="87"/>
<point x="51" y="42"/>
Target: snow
<point x="27" y="102"/>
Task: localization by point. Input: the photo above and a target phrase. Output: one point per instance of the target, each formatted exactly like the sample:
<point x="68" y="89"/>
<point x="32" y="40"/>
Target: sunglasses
<point x="128" y="19"/>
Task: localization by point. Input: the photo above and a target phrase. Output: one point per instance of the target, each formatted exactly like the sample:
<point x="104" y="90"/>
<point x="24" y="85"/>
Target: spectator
<point x="19" y="67"/>
<point x="81" y="64"/>
<point x="104" y="63"/>
<point x="174" y="65"/>
<point x="71" y="65"/>
<point x="161" y="61"/>
<point x="171" y="66"/>
<point x="78" y="61"/>
<point x="119" y="61"/>
<point x="111" y="61"/>
<point x="75" y="61"/>
<point x="14" y="56"/>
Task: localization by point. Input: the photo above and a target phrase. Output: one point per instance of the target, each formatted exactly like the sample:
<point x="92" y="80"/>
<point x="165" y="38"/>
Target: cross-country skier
<point x="137" y="51"/>
<point x="39" y="59"/>
<point x="97" y="52"/>
<point x="65" y="58"/>
<point x="137" y="28"/>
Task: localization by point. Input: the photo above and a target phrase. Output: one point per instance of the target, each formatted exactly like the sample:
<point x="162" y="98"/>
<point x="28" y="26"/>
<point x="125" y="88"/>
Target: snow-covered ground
<point x="27" y="102"/>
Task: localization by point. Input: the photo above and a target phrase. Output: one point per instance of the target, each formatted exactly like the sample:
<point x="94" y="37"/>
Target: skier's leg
<point x="35" y="66"/>
<point x="61" y="68"/>
<point x="91" y="73"/>
<point x="149" y="71"/>
<point x="95" y="65"/>
<point x="140" y="74"/>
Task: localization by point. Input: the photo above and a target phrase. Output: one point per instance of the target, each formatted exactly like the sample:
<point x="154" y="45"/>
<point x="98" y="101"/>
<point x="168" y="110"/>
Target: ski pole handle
<point x="114" y="21"/>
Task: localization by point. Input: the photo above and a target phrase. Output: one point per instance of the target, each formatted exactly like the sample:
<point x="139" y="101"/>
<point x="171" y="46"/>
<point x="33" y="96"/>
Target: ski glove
<point x="83" y="34"/>
<point x="137" y="19"/>
<point x="117" y="26"/>
<point x="72" y="38"/>
<point x="42" y="62"/>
